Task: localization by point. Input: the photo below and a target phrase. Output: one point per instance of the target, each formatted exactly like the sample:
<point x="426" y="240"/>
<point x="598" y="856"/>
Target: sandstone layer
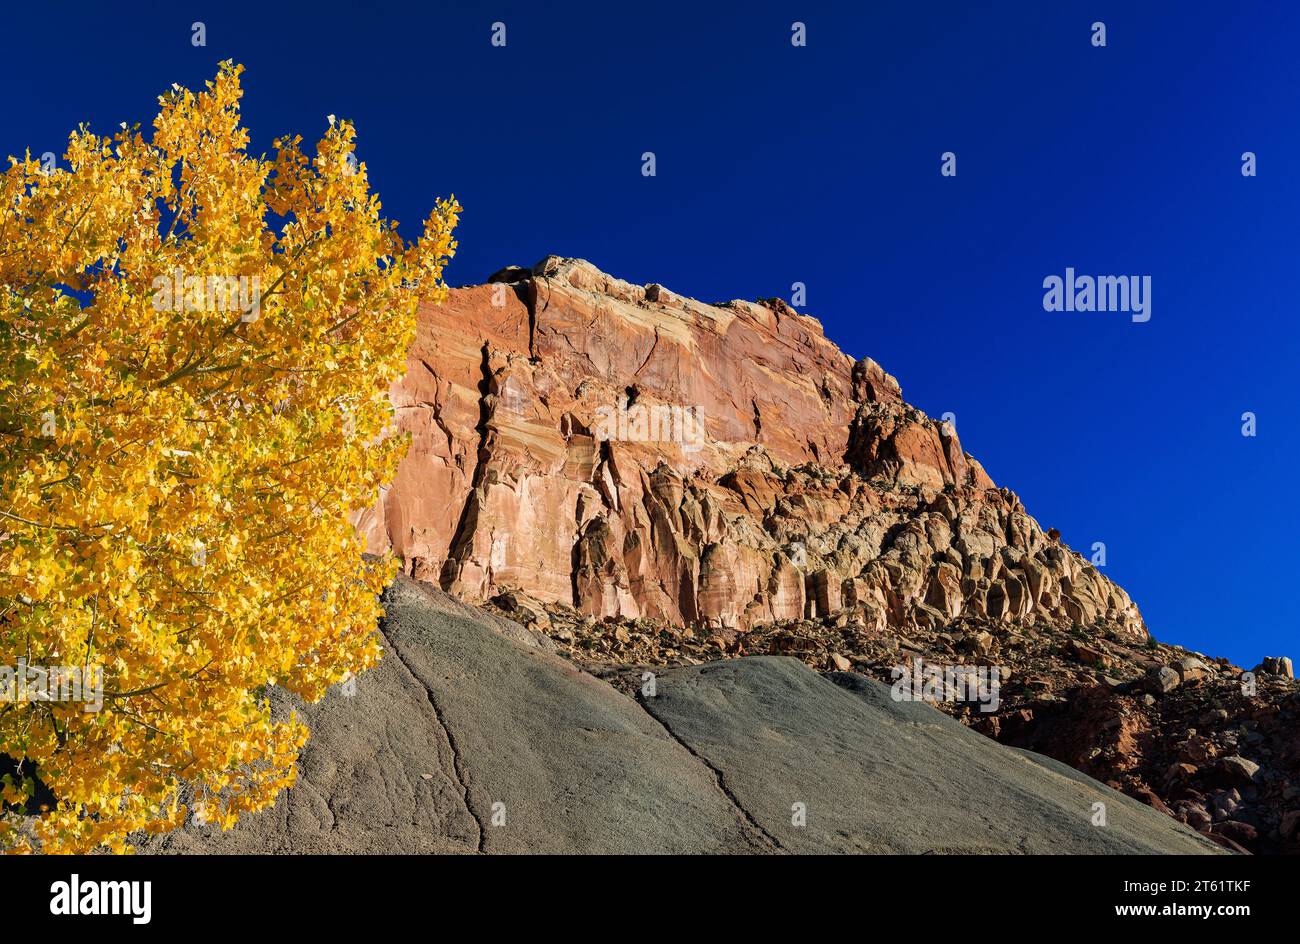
<point x="632" y="453"/>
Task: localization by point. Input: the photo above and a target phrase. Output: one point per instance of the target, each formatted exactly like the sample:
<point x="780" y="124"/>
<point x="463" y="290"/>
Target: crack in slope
<point x="719" y="780"/>
<point x="458" y="765"/>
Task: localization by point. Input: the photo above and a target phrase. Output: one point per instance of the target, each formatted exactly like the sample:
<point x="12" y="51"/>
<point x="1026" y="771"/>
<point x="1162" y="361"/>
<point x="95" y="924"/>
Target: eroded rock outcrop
<point x="629" y="452"/>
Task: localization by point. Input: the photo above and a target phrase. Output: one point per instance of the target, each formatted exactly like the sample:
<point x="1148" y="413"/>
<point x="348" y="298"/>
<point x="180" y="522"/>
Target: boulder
<point x="1276" y="665"/>
<point x="1191" y="669"/>
<point x="1238" y="771"/>
<point x="1091" y="655"/>
<point x="1243" y="834"/>
<point x="1161" y="680"/>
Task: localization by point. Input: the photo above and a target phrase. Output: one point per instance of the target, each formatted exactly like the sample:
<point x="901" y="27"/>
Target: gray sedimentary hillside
<point x="471" y="720"/>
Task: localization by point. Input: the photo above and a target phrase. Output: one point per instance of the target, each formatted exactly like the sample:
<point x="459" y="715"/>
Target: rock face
<point x="628" y="452"/>
<point x="470" y="736"/>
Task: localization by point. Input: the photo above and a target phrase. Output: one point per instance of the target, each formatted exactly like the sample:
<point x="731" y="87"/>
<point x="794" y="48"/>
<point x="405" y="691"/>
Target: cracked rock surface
<point x="472" y="735"/>
<point x="881" y="776"/>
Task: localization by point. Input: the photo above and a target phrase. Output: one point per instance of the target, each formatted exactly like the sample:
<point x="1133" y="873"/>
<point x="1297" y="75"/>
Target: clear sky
<point x="820" y="164"/>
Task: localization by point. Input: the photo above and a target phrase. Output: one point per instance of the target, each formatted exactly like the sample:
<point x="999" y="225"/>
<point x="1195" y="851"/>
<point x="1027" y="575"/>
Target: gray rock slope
<point x="471" y="737"/>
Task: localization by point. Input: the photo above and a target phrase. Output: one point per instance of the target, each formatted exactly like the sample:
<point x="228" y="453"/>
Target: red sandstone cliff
<point x="629" y="452"/>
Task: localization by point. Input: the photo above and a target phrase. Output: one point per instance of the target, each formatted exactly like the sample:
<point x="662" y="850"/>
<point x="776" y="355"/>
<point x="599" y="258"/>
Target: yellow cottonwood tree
<point x="195" y="350"/>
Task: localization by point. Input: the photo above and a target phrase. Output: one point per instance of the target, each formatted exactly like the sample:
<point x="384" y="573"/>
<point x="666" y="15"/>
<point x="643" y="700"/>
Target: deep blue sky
<point x="821" y="165"/>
